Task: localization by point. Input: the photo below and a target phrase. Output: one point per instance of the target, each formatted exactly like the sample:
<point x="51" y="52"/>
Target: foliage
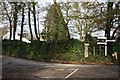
<point x="66" y="52"/>
<point x="55" y="25"/>
<point x="16" y="48"/>
<point x="88" y="17"/>
<point x="3" y="31"/>
<point x="98" y="59"/>
<point x="91" y="40"/>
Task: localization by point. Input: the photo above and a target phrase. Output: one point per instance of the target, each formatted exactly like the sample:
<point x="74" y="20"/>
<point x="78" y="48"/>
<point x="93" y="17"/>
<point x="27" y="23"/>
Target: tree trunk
<point x="107" y="32"/>
<point x="117" y="14"/>
<point x="15" y="20"/>
<point x="67" y="21"/>
<point x="113" y="35"/>
<point x="109" y="20"/>
<point x="10" y="21"/>
<point x="10" y="29"/>
<point x="34" y="15"/>
<point x="68" y="34"/>
<point x="80" y="31"/>
<point x="29" y="22"/>
<point x="22" y="24"/>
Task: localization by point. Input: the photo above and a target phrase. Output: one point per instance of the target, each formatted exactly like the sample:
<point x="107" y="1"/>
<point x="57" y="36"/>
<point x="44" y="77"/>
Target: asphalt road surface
<point x="22" y="69"/>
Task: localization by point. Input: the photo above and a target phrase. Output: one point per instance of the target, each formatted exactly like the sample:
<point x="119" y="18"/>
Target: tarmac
<point x="17" y="68"/>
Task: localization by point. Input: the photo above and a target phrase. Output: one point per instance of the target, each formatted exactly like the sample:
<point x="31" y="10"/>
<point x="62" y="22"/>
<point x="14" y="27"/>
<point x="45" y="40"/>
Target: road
<point x="16" y="68"/>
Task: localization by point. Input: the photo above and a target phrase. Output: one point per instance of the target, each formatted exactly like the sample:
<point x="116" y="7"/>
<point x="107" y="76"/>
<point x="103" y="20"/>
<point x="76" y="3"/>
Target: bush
<point x="72" y="50"/>
<point x="20" y="49"/>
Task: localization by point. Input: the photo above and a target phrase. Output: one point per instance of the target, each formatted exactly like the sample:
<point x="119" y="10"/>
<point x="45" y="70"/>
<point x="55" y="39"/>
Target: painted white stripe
<point x="71" y="74"/>
<point x="71" y="69"/>
<point x="44" y="77"/>
<point x="60" y="69"/>
<point x="49" y="66"/>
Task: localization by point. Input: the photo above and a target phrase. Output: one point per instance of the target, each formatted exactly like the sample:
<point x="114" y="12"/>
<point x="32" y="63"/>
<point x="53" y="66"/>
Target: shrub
<point x="72" y="50"/>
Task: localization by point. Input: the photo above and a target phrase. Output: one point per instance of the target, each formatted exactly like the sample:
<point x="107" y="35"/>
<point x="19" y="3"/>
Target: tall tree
<point x="23" y="5"/>
<point x="84" y="15"/>
<point x="109" y="19"/>
<point x="29" y="20"/>
<point x="66" y="7"/>
<point x="55" y="25"/>
<point x="15" y="17"/>
<point x="9" y="16"/>
<point x="116" y="18"/>
<point x="34" y="15"/>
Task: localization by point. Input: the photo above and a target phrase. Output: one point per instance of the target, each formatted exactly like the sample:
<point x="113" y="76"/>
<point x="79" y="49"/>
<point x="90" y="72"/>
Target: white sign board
<point x="104" y="43"/>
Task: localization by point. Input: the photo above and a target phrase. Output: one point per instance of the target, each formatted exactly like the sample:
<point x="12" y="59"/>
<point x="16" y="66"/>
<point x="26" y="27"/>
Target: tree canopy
<point x="55" y="25"/>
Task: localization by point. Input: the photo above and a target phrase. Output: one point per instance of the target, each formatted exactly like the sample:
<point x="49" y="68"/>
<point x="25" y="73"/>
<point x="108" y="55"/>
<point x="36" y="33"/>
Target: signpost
<point x="104" y="41"/>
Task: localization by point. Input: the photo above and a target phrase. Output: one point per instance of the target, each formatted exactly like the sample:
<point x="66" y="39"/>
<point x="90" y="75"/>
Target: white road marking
<point x="49" y="66"/>
<point x="64" y="69"/>
<point x="71" y="74"/>
<point x="71" y="69"/>
<point x="45" y="77"/>
<point x="60" y="69"/>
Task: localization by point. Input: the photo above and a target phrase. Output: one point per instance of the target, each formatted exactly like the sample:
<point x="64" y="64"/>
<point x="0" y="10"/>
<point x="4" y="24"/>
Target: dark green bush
<point x="72" y="50"/>
<point x="17" y="48"/>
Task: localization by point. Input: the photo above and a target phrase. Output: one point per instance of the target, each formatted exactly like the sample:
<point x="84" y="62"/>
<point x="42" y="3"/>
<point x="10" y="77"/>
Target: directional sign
<point x="103" y="41"/>
<point x="110" y="40"/>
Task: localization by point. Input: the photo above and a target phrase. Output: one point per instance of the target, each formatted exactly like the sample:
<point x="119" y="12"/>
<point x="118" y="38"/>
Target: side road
<point x="16" y="68"/>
